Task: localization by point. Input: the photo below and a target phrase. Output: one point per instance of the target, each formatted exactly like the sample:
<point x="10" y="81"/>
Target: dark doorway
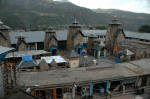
<point x="59" y="93"/>
<point x="79" y="50"/>
<point x="54" y="52"/>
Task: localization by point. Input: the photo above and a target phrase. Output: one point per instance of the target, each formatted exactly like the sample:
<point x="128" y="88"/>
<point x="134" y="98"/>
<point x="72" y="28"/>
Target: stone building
<point x="91" y="39"/>
<point x="44" y="66"/>
<point x="21" y="44"/>
<point x="50" y="42"/>
<point x="4" y="35"/>
<point x="73" y="59"/>
<point x="74" y="36"/>
<point x="114" y="36"/>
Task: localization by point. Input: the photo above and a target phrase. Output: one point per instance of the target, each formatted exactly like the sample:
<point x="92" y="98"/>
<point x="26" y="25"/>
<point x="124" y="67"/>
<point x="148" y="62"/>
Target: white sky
<point x="142" y="6"/>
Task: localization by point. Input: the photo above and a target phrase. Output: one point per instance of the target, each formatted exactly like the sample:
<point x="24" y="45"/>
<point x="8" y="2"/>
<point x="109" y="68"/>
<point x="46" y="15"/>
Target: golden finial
<point x="115" y="17"/>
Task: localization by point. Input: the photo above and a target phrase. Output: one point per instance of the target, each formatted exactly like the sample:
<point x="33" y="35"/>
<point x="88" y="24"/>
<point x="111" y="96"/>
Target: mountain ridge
<point x="21" y="14"/>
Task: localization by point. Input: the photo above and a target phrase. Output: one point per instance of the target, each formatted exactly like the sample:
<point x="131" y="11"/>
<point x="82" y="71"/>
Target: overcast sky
<point x="129" y="5"/>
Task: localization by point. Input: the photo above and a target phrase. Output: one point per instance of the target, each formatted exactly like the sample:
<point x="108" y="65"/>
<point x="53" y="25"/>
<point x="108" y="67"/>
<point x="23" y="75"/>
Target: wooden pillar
<point x="36" y="46"/>
<point x="54" y="93"/>
<point x="124" y="89"/>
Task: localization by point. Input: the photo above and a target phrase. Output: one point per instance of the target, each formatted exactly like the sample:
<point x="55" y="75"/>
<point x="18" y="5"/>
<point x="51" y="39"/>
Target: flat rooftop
<point x="84" y="74"/>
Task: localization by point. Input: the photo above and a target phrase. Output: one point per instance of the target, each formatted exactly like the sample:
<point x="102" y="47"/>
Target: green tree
<point x="101" y="27"/>
<point x="144" y="28"/>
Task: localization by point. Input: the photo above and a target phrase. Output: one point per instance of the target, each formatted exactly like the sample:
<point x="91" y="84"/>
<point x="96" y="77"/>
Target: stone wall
<point x="73" y="63"/>
<point x="50" y="40"/>
<point x="22" y="47"/>
<point x="90" y="43"/>
<point x="77" y="40"/>
<point x="73" y="40"/>
<point x="113" y="38"/>
<point x="3" y="41"/>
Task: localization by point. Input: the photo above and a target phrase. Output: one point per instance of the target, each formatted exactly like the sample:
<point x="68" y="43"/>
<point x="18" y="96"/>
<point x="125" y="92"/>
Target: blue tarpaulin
<point x="102" y="91"/>
<point x="53" y="48"/>
<point x="91" y="89"/>
<point x="102" y="54"/>
<point x="85" y="45"/>
<point x="117" y="60"/>
<point x="79" y="49"/>
<point x="2" y="56"/>
<point x="107" y="86"/>
<point x="27" y="58"/>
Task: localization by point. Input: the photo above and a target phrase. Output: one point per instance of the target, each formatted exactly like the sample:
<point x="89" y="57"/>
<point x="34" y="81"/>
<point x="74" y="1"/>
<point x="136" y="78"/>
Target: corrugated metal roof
<point x="58" y="59"/>
<point x="38" y="36"/>
<point x="5" y="49"/>
<point x="25" y="53"/>
<point x="145" y="36"/>
<point x="26" y="64"/>
<point x="30" y="37"/>
<point x="96" y="32"/>
<point x="61" y="35"/>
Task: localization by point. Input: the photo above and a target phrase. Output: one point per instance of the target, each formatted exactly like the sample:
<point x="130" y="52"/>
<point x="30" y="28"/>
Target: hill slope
<point x="32" y="13"/>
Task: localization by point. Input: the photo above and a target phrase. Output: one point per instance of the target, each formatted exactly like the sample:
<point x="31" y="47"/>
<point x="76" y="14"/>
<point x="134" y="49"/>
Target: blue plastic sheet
<point x="107" y="86"/>
<point x="2" y="56"/>
<point x="53" y="48"/>
<point x="102" y="91"/>
<point x="91" y="89"/>
<point x="27" y="58"/>
<point x="117" y="60"/>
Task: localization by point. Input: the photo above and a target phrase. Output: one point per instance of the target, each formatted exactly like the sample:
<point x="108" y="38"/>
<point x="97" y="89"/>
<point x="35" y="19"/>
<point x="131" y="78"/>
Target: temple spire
<point x="115" y="21"/>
